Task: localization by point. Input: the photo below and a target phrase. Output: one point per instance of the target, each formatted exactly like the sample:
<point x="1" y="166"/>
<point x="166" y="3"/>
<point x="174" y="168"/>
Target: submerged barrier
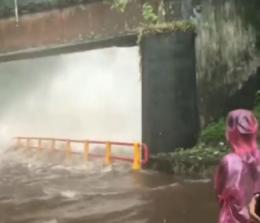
<point x="140" y="150"/>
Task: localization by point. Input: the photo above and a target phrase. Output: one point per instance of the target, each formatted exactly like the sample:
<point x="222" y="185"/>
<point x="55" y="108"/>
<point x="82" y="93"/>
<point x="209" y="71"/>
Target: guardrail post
<point x="68" y="149"/>
<point x="108" y="160"/>
<point x="52" y="144"/>
<point x="86" y="150"/>
<point x="137" y="157"/>
<point x="39" y="144"/>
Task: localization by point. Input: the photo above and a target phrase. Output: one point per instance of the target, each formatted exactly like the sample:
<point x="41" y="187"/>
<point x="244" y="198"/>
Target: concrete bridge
<point x="79" y="27"/>
<point x="41" y="28"/>
<point x="169" y="114"/>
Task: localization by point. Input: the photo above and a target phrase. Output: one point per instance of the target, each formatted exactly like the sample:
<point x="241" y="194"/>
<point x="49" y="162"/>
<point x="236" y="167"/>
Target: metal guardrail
<point x="140" y="157"/>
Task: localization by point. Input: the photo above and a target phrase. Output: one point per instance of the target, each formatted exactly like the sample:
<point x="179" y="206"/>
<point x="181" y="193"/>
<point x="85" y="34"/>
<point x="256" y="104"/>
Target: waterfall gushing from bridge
<point x="88" y="95"/>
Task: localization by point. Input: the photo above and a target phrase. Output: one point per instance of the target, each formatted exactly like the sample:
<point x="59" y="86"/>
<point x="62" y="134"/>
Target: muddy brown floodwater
<point x="46" y="188"/>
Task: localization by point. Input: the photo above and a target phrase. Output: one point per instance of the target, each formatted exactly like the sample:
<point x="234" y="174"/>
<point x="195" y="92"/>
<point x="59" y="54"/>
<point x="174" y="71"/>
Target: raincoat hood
<point x="241" y="132"/>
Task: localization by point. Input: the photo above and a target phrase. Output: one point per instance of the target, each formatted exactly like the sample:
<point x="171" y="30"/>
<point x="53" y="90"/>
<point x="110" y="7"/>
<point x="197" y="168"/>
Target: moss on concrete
<point x="175" y="26"/>
<point x="166" y="27"/>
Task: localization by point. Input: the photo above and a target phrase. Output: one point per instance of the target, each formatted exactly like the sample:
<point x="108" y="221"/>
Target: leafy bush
<point x="197" y="162"/>
<point x="214" y="134"/>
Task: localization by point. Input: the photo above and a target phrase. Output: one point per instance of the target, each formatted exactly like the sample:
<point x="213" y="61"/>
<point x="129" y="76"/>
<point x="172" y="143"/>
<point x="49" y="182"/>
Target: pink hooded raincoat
<point x="238" y="174"/>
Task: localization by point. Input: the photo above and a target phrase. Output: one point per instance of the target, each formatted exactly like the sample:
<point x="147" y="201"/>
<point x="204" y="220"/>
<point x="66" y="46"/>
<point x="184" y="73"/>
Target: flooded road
<point x="46" y="188"/>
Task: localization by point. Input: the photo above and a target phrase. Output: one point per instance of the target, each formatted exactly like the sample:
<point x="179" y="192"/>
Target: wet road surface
<point x="46" y="188"/>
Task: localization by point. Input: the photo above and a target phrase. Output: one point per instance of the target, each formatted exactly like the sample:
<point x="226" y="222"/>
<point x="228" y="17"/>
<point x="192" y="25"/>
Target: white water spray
<point x="90" y="95"/>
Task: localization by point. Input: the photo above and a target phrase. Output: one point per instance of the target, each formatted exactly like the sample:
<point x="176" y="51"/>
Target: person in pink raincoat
<point x="238" y="175"/>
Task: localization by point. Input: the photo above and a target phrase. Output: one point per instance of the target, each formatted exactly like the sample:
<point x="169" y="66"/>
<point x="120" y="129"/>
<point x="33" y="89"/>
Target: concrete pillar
<point x="170" y="115"/>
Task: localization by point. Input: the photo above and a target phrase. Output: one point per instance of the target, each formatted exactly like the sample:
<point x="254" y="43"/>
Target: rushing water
<point x="94" y="95"/>
<point x="45" y="187"/>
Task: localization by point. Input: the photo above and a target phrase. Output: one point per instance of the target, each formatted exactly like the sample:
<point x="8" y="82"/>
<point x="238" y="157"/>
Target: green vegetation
<point x="148" y="12"/>
<point x="152" y="22"/>
<point x="165" y="27"/>
<point x="150" y="17"/>
<point x="201" y="160"/>
<point x="155" y="24"/>
<point x="214" y="134"/>
<point x="119" y="5"/>
<point x="198" y="160"/>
